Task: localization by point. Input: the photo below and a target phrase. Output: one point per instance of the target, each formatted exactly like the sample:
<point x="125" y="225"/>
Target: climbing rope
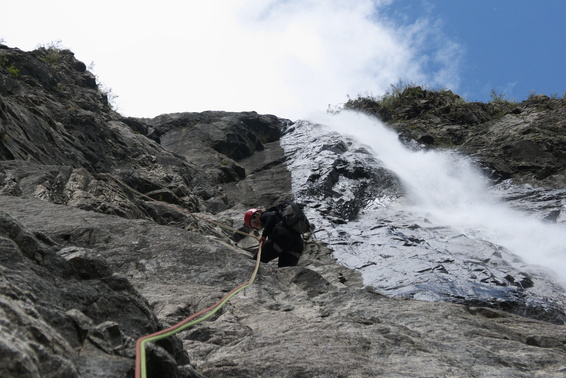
<point x="141" y="370"/>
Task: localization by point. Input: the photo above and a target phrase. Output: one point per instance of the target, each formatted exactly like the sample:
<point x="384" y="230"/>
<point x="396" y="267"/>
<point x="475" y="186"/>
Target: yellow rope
<point x="141" y="370"/>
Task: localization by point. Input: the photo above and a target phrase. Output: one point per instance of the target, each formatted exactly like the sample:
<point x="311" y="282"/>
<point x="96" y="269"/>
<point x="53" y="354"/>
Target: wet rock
<point x="360" y="211"/>
<point x="520" y="141"/>
<point x="105" y="236"/>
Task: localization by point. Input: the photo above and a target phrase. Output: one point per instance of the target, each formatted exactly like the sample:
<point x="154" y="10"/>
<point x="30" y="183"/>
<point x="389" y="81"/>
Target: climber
<point x="278" y="239"/>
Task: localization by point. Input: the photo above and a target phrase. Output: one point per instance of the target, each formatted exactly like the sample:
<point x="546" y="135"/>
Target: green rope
<point x="186" y="323"/>
<point x="140" y="365"/>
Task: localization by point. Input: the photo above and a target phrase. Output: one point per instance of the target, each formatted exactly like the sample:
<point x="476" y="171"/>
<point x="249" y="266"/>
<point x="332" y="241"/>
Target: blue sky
<point x="293" y="58"/>
<point x="512" y="46"/>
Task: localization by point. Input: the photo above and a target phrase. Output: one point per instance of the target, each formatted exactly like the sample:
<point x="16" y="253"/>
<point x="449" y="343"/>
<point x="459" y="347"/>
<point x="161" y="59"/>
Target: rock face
<point x="521" y="141"/>
<point x="89" y="264"/>
<point x="365" y="215"/>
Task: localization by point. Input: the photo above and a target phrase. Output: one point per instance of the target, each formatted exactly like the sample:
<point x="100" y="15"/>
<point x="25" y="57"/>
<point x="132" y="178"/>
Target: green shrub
<point x="9" y="66"/>
<point x="389" y="100"/>
<point x="392" y="105"/>
<point x="111" y="97"/>
<point x="52" y="58"/>
<point x="53" y="53"/>
<point x="392" y="97"/>
<point x="13" y="70"/>
<point x="501" y="99"/>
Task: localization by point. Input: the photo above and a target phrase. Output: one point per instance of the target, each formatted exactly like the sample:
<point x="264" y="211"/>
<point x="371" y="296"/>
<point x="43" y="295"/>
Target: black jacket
<point x="269" y="220"/>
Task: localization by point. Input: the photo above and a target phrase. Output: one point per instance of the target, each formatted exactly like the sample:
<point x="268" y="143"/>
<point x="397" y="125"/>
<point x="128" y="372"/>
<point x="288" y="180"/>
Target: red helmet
<point x="248" y="216"/>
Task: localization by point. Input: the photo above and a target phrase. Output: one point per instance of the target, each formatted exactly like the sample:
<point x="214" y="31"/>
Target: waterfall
<point x="448" y="189"/>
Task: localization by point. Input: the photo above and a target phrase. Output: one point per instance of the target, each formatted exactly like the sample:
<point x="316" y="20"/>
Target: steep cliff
<point x="523" y="141"/>
<point x="89" y="265"/>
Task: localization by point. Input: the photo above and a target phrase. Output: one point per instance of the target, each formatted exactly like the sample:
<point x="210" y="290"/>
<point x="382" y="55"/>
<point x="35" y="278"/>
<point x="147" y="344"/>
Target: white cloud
<point x="271" y="56"/>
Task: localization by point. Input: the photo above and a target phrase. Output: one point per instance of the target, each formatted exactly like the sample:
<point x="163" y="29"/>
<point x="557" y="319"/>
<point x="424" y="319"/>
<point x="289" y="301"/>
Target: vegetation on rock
<point x="490" y="132"/>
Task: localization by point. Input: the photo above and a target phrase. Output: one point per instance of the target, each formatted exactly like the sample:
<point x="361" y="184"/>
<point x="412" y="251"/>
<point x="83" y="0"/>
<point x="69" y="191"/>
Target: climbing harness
<point x="141" y="371"/>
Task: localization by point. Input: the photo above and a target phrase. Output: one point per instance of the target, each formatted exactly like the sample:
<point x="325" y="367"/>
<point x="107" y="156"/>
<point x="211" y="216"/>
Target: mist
<point x="448" y="189"/>
<point x="286" y="58"/>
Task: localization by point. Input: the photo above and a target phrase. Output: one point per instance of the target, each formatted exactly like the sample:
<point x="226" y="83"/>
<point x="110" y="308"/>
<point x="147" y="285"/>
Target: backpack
<point x="293" y="216"/>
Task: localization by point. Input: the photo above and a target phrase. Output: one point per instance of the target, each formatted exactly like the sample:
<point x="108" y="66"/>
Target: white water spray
<point x="449" y="190"/>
